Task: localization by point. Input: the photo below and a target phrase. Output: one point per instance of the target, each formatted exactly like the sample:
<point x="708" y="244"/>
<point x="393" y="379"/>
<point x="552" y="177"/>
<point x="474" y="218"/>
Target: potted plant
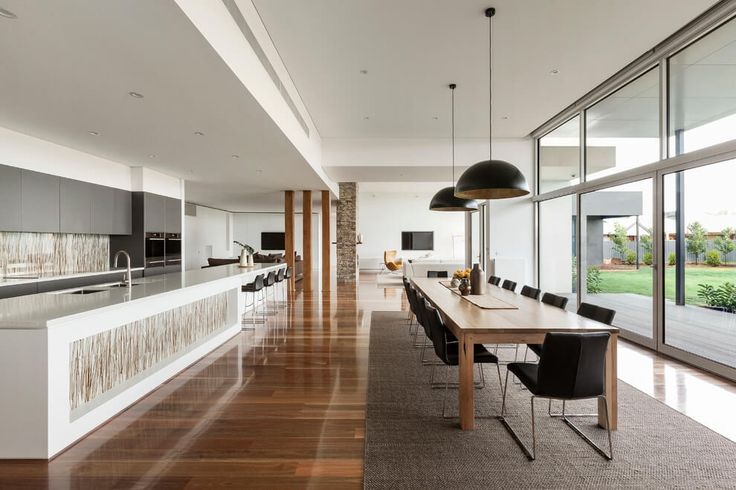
<point x="246" y="254"/>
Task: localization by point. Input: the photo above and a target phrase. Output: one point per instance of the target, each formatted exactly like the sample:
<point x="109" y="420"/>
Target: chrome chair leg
<point x="530" y="454"/>
<point x="587" y="439"/>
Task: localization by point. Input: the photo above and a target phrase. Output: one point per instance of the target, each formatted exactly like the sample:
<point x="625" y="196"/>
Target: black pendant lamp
<point x="491" y="179"/>
<point x="444" y="199"/>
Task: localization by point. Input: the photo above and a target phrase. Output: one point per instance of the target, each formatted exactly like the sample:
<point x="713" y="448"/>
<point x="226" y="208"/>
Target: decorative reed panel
<point x="105" y="360"/>
<point x="53" y="253"/>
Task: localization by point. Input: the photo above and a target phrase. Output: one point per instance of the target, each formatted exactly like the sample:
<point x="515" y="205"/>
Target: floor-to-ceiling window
<point x="617" y="254"/>
<point x="655" y="235"/>
<point x="559" y="156"/>
<point x="622" y="130"/>
<point x="702" y="83"/>
<point x="700" y="254"/>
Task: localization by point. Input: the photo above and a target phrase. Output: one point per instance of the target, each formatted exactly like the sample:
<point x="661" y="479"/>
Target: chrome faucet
<point x="128" y="281"/>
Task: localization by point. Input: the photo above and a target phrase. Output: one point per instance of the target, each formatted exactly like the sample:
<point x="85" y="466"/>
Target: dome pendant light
<point x="444" y="199"/>
<point x="491" y="179"/>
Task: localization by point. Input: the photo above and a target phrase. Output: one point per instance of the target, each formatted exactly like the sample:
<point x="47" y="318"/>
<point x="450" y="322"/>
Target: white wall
<point x="383" y="216"/>
<point x="207" y="235"/>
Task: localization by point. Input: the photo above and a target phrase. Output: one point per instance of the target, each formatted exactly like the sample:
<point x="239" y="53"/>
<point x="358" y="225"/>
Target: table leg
<point x="466" y="389"/>
<point x="611" y="386"/>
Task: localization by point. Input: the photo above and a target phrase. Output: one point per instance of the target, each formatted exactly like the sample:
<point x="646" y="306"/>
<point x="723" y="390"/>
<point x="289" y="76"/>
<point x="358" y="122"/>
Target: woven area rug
<point x="409" y="444"/>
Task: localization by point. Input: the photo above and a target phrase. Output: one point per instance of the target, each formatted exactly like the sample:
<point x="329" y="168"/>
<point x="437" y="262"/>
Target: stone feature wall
<point x="53" y="253"/>
<point x="347" y="228"/>
<point x="107" y="360"/>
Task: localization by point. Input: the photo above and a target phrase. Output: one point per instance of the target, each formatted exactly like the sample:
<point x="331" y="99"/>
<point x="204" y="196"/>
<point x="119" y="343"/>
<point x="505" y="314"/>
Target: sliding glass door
<point x="617" y="251"/>
<point x="700" y="254"/>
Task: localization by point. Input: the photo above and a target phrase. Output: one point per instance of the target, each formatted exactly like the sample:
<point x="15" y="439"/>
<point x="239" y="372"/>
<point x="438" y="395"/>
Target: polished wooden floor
<point x="284" y="407"/>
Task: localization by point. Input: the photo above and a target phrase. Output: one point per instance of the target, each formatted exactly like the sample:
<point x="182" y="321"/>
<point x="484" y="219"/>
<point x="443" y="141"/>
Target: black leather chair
<point x="530" y="292"/>
<point x="554" y="300"/>
<point x="255" y="289"/>
<point x="432" y="274"/>
<point x="495" y="280"/>
<point x="597" y="313"/>
<point x="446" y="347"/>
<point x="572" y="367"/>
<point x="509" y="284"/>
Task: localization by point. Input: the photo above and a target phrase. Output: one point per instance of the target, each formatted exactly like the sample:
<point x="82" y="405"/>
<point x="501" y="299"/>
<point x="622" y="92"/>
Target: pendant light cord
<point x="452" y="87"/>
<point x="490" y="13"/>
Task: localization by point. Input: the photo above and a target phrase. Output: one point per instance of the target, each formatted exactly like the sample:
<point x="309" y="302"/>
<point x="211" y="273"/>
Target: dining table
<point x="500" y="316"/>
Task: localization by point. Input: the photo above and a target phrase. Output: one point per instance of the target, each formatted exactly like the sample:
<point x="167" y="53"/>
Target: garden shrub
<point x="723" y="296"/>
<point x="648" y="258"/>
<point x="631" y="257"/>
<point x="672" y="258"/>
<point x="593" y="280"/>
<point x="713" y="258"/>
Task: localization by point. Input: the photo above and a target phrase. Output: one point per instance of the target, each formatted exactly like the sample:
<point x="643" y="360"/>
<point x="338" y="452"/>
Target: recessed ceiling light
<point x="366" y="117"/>
<point x="435" y="117"/>
<point x="7" y="14"/>
<point x="505" y="118"/>
<point x="259" y="171"/>
<point x="94" y="133"/>
<point x="152" y="155"/>
<point x="554" y="71"/>
<point x="363" y="72"/>
<point x="199" y="133"/>
<point x="234" y="156"/>
<point x="135" y="95"/>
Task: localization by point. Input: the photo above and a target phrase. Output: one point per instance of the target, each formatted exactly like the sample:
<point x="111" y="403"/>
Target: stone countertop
<point x="39" y="311"/>
<point x="30" y="278"/>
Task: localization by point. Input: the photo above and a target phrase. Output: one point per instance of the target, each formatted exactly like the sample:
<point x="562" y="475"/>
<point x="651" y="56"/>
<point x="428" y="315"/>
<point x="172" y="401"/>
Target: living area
<point x="213" y="237"/>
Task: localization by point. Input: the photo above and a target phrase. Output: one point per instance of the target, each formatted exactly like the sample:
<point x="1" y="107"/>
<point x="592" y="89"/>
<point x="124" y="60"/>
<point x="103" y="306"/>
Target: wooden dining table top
<point x="531" y="316"/>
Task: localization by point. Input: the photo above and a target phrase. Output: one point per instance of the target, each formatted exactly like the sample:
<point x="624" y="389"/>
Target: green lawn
<point x="640" y="282"/>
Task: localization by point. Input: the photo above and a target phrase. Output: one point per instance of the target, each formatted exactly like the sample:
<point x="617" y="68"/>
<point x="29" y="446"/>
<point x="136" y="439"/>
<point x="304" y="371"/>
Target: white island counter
<point x="69" y="361"/>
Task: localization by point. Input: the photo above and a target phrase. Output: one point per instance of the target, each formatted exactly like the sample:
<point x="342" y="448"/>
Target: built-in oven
<point x="155" y="250"/>
<point x="173" y="249"/>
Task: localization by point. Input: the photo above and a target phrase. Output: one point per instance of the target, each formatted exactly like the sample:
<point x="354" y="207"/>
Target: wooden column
<point x="326" y="263"/>
<point x="307" y="239"/>
<point x="289" y="233"/>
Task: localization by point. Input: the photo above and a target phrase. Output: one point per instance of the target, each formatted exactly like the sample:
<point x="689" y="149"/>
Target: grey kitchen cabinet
<point x="173" y="215"/>
<point x="123" y="217"/>
<point x="103" y="209"/>
<point x="39" y="202"/>
<point x="75" y="206"/>
<point x="10" y="191"/>
<point x="154" y="213"/>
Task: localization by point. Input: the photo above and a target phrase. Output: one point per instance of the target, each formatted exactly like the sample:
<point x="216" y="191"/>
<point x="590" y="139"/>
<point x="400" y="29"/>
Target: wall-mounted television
<point x="273" y="240"/>
<point x="417" y="240"/>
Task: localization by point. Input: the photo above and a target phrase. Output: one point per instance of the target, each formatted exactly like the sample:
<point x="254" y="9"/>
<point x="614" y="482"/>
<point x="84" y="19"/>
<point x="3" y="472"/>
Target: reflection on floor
<point x="284" y="407"/>
<point x="702" y="396"/>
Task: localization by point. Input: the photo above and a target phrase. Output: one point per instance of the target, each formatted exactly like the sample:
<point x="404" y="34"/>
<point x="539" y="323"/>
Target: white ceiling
<point x="413" y="48"/>
<point x="66" y="68"/>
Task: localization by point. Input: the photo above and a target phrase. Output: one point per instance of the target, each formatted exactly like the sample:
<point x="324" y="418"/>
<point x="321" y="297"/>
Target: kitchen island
<point x="71" y="360"/>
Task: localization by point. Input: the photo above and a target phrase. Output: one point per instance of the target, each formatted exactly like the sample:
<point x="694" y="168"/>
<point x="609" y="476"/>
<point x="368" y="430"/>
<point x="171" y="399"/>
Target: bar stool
<point x="268" y="284"/>
<point x="255" y="288"/>
<point x="280" y="275"/>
